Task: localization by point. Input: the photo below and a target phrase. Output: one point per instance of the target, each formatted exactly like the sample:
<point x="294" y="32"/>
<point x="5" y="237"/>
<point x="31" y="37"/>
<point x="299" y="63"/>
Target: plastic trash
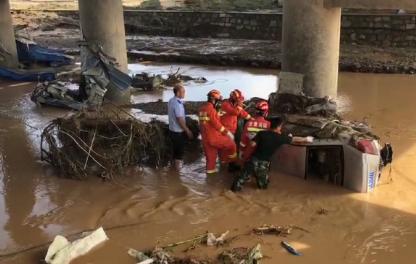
<point x="61" y="251"/>
<point x="215" y="241"/>
<point x="290" y="249"/>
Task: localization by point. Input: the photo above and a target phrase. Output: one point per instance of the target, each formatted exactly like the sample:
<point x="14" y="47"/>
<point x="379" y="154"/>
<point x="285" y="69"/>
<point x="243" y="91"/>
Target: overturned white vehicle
<point x="344" y="153"/>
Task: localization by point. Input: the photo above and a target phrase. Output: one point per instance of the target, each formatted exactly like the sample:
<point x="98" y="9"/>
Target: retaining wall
<point x="371" y="29"/>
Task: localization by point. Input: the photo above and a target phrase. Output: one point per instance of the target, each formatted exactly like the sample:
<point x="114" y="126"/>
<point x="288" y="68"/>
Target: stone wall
<point x="205" y="24"/>
<point x="368" y="29"/>
<point x="378" y="30"/>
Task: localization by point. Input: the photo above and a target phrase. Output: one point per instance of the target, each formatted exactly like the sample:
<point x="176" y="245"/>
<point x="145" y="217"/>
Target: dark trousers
<point x="178" y="144"/>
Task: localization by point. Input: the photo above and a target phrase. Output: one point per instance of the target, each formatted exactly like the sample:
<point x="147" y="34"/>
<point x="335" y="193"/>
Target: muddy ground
<point x="62" y="31"/>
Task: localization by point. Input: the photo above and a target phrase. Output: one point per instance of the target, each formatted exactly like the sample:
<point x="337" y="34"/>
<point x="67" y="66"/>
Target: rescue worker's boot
<point x="233" y="167"/>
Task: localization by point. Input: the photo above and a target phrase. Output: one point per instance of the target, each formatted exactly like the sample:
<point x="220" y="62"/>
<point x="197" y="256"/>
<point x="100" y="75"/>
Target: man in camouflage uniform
<point x="264" y="146"/>
<point x="259" y="168"/>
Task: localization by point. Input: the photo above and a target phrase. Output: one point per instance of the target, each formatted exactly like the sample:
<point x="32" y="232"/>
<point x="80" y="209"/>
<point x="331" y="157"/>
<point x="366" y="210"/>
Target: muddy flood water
<point x="148" y="207"/>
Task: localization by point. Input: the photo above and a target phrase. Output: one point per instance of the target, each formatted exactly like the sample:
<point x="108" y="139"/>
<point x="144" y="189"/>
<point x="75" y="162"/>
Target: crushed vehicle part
<point x="61" y="251"/>
<point x="57" y="94"/>
<point x="98" y="76"/>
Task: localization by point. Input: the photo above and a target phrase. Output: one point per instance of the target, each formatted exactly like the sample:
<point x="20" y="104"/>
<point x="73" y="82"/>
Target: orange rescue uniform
<point x="214" y="138"/>
<point x="251" y="129"/>
<point x="230" y="114"/>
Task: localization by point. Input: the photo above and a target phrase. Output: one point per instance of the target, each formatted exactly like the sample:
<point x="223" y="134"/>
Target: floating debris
<point x="241" y="255"/>
<point x="273" y="230"/>
<point x="61" y="251"/>
<point x="161" y="256"/>
<point x="216" y="241"/>
<point x="290" y="249"/>
<point x="322" y="211"/>
<point x="149" y="82"/>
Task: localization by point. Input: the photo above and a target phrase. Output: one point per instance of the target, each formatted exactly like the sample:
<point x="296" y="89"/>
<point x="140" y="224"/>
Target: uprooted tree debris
<point x="103" y="143"/>
<point x="318" y="117"/>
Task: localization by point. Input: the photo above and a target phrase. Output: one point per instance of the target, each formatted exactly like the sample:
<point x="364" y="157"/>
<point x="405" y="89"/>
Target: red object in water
<point x="367" y="146"/>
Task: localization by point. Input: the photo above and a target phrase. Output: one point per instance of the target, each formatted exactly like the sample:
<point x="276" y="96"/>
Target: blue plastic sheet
<point x="26" y="76"/>
<point x="30" y="52"/>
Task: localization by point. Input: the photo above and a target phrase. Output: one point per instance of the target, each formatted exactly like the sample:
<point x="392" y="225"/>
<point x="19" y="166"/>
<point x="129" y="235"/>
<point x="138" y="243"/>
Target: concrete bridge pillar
<point x="311" y="41"/>
<point x="102" y="22"/>
<point x="8" y="52"/>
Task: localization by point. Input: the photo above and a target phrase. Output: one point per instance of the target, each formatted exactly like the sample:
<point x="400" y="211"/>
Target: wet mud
<point x="148" y="207"/>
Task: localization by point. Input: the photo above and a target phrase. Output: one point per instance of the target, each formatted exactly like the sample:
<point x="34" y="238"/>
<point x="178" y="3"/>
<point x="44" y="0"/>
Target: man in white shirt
<point x="178" y="129"/>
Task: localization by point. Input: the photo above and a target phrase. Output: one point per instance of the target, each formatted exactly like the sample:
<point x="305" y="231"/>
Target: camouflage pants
<point x="257" y="168"/>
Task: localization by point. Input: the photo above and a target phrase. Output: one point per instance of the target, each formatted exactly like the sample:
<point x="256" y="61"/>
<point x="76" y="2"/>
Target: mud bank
<point x="61" y="31"/>
<point x="146" y="207"/>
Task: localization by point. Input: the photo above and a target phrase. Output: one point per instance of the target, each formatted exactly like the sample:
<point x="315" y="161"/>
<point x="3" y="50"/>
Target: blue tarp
<point x="30" y="52"/>
<point x="26" y="76"/>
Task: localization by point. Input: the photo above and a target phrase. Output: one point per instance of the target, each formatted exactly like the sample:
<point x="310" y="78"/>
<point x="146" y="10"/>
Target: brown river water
<point x="148" y="207"/>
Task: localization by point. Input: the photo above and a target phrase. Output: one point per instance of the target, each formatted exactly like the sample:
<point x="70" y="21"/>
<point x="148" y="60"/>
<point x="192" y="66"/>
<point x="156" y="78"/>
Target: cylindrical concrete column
<point x="311" y="37"/>
<point x="8" y="52"/>
<point x="102" y="22"/>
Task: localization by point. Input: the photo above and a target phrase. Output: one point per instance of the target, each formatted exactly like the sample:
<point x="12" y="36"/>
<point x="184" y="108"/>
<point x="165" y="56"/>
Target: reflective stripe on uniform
<point x="254" y="129"/>
<point x="204" y="118"/>
<point x="211" y="171"/>
<point x="242" y="144"/>
<point x="233" y="156"/>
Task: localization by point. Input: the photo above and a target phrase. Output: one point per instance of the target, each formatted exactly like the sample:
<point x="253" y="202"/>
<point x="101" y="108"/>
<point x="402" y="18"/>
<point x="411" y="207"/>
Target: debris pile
<point x="160" y="255"/>
<point x="147" y="82"/>
<point x="241" y="255"/>
<point x="302" y="105"/>
<point x="273" y="230"/>
<point x="103" y="143"/>
<point x="317" y="117"/>
<point x="99" y="76"/>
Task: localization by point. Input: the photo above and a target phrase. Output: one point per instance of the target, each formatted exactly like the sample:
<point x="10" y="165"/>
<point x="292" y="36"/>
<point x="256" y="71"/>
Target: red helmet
<point x="237" y="96"/>
<point x="215" y="94"/>
<point x="262" y="106"/>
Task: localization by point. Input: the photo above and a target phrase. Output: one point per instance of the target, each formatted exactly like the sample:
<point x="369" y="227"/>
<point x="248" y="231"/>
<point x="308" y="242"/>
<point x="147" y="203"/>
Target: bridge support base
<point x="311" y="41"/>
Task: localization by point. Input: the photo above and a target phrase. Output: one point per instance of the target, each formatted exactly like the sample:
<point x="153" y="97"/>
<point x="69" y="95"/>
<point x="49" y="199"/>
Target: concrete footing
<point x="102" y="22"/>
<point x="311" y="41"/>
<point x="8" y="52"/>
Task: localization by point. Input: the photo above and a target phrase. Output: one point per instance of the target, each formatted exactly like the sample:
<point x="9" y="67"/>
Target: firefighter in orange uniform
<point x="215" y="137"/>
<point x="252" y="127"/>
<point x="232" y="109"/>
